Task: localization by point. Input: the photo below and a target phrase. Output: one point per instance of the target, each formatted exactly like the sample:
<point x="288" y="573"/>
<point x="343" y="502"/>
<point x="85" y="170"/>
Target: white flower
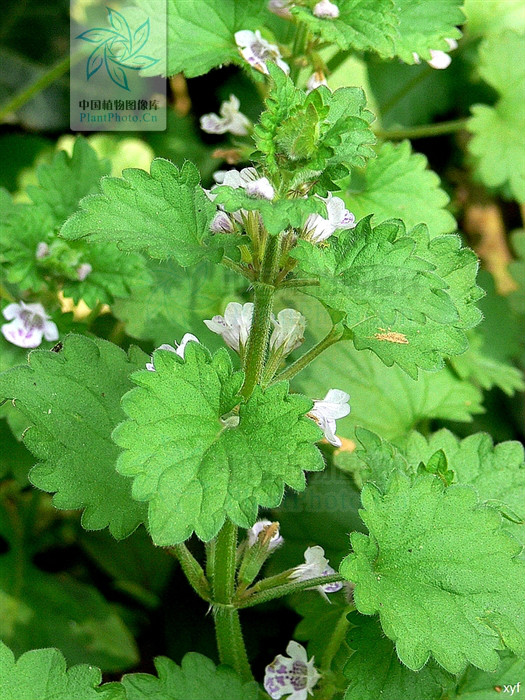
<point x="291" y="675"/>
<point x="178" y="349"/>
<point x="318" y="229"/>
<point x="83" y="271"/>
<point x="257" y="51"/>
<point x="326" y="411"/>
<point x="221" y="223"/>
<point x="316" y="80"/>
<point x="231" y="119"/>
<point x="439" y="59"/>
<point x="281" y="8"/>
<point x="261" y="188"/>
<point x="29" y="323"/>
<point x="42" y="250"/>
<point x="234" y="326"/>
<point x="288" y="332"/>
<point x="326" y="10"/>
<point x="315" y="565"/>
<point x="235" y="178"/>
<point x="247" y="179"/>
<point x="261" y="526"/>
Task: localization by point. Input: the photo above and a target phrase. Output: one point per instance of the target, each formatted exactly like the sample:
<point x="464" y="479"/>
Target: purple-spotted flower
<point x="291" y="675"/>
<point x="326" y="411"/>
<point x="439" y="59"/>
<point x="261" y="526"/>
<point x="326" y="10"/>
<point x="315" y="565"/>
<point x="234" y="326"/>
<point x="317" y="228"/>
<point x="29" y="323"/>
<point x="257" y="51"/>
<point x="231" y="119"/>
<point x="178" y="349"/>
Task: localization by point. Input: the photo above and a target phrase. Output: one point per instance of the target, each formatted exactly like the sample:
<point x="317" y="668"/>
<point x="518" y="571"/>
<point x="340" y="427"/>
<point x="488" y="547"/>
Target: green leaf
<point x="480" y="685"/>
<point x="201" y="33"/>
<point x="177" y="301"/>
<point x="496" y="472"/>
<point x="499" y="132"/>
<point x="484" y="370"/>
<point x="38" y="608"/>
<point x="424" y="25"/>
<point x="383" y="399"/>
<point x="399" y="183"/>
<point x="196" y="678"/>
<point x="374" y="671"/>
<point x="42" y="675"/>
<point x="196" y="469"/>
<point x="64" y="181"/>
<point x="404" y="296"/>
<point x="408" y="570"/>
<point x="166" y="214"/>
<point x="362" y="25"/>
<point x="72" y="398"/>
<point x="315" y="138"/>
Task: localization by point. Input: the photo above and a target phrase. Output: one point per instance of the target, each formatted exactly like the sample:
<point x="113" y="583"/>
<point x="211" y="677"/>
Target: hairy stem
<point x="407" y="87"/>
<point x="421" y="132"/>
<point x="230" y="642"/>
<point x="332" y="337"/>
<point x="193" y="571"/>
<point x="237" y="268"/>
<point x="57" y="71"/>
<point x="262" y="311"/>
<point x="249" y="599"/>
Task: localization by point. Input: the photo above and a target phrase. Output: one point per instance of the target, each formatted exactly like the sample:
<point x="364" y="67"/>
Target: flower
<point x="261" y="188"/>
<point x="83" y="271"/>
<point x="234" y="326"/>
<point x="288" y="332"/>
<point x="281" y="8"/>
<point x="261" y="526"/>
<point x="326" y="10"/>
<point x="178" y="350"/>
<point x="221" y="223"/>
<point x="315" y="565"/>
<point x="42" y="251"/>
<point x="326" y="411"/>
<point x="316" y="80"/>
<point x="439" y="59"/>
<point x="291" y="675"/>
<point x="257" y="51"/>
<point x="317" y="228"/>
<point x="231" y="119"/>
<point x="29" y="323"/>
